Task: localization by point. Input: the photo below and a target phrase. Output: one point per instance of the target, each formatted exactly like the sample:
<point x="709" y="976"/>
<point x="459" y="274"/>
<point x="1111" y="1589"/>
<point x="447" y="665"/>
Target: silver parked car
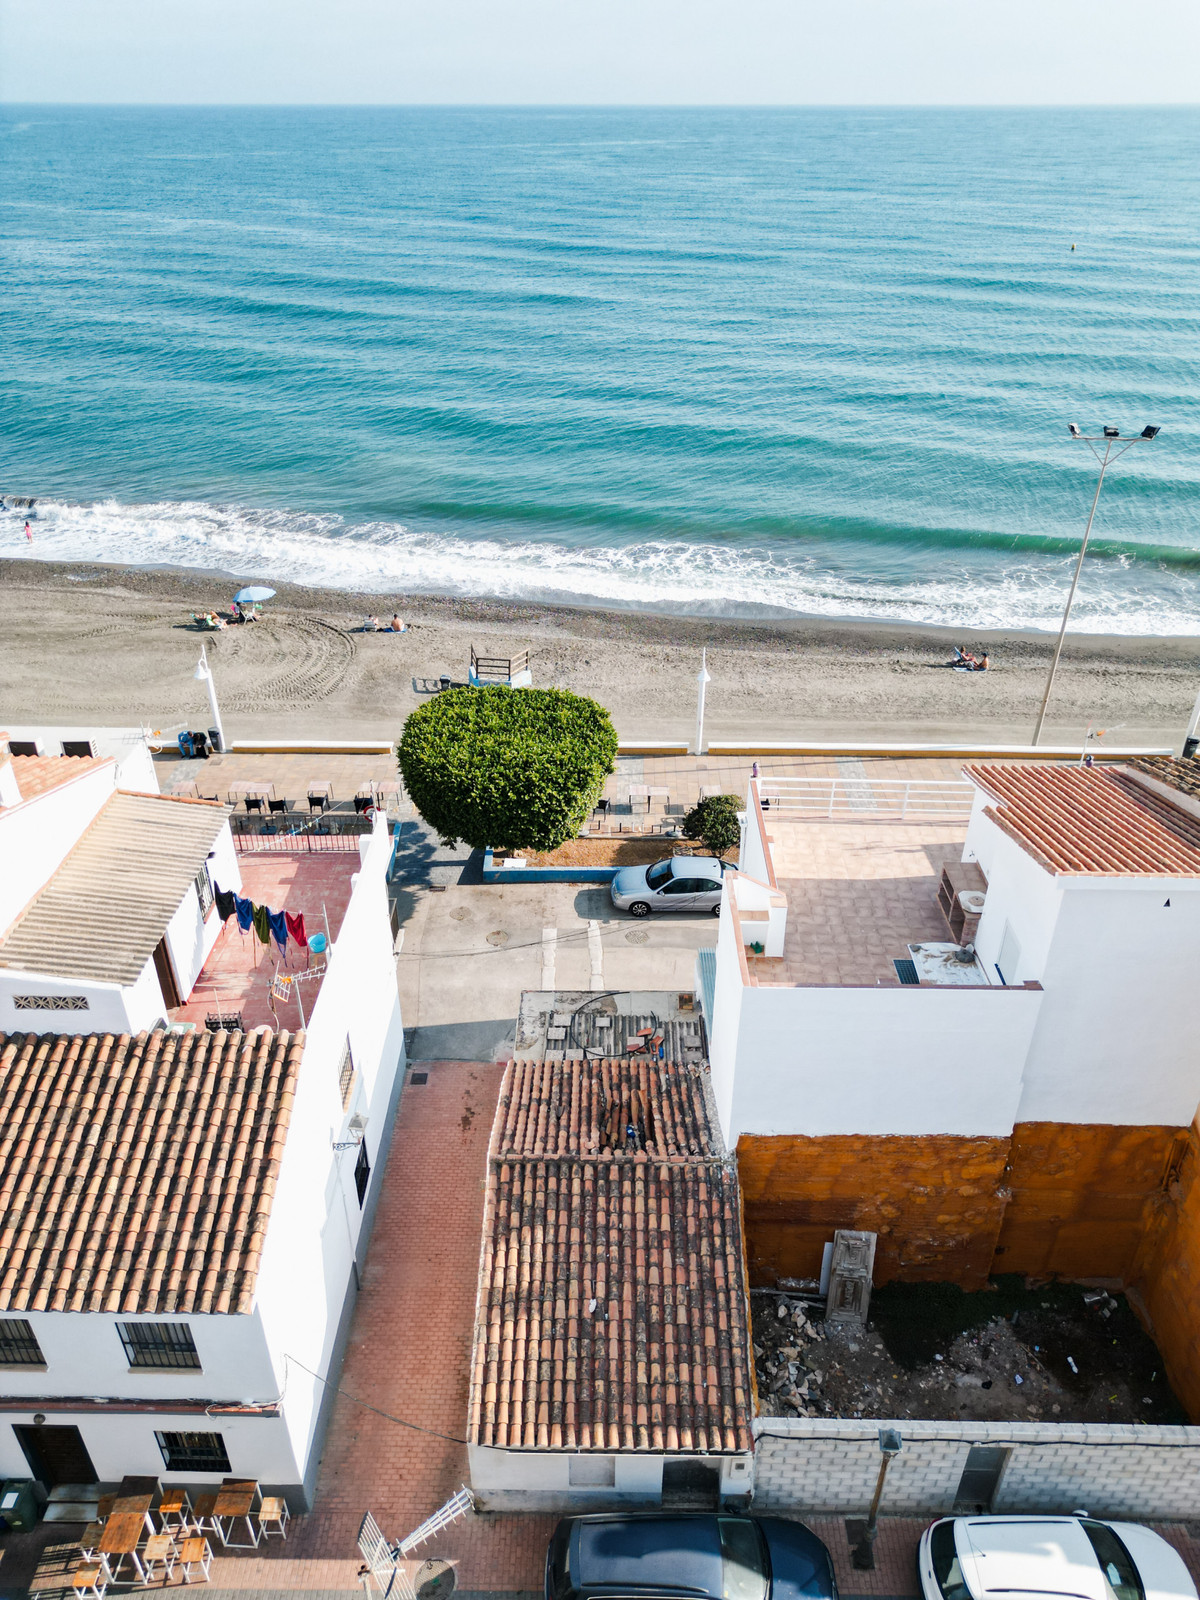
<point x="684" y="883"/>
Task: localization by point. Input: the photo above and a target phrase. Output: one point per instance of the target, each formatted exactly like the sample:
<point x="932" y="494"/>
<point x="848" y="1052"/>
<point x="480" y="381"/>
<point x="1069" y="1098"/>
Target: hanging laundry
<point x="295" y="928"/>
<point x="245" y="913"/>
<point x="278" y="929"/>
<point x="226" y="902"/>
<point x="262" y="923"/>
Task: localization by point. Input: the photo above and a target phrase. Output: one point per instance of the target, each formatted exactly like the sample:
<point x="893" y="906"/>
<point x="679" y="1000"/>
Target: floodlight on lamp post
<point x="1115" y="444"/>
<point x="703" y="679"/>
<point x="203" y="674"/>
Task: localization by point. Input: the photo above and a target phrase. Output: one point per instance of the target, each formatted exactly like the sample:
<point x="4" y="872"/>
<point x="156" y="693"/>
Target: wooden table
<point x="135" y="1503"/>
<point x="121" y="1537"/>
<point x="235" y="1502"/>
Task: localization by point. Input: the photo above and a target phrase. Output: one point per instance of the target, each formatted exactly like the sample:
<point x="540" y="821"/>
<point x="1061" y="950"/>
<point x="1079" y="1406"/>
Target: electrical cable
<point x="436" y="1433"/>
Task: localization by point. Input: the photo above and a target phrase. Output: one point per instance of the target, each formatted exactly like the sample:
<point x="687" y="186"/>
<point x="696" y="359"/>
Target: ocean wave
<point x="697" y="577"/>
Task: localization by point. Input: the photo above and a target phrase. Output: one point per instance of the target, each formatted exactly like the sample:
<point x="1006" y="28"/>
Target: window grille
<point x="362" y="1172"/>
<point x="18" y="1344"/>
<point x="346" y="1075"/>
<point x="195" y="1452"/>
<point x="159" y="1345"/>
<point x="51" y="1002"/>
<point x="204" y="889"/>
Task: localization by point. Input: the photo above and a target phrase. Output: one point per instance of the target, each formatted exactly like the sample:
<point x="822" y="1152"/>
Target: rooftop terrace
<point x="237" y="977"/>
<point x="858" y="894"/>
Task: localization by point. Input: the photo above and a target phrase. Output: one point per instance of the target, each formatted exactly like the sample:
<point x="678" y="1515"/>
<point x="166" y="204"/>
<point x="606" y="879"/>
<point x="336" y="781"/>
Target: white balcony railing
<point x="913" y="800"/>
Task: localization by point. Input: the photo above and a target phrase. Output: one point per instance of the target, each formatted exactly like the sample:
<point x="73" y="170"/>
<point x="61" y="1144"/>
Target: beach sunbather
<point x="397" y="625"/>
<point x="372" y="625"/>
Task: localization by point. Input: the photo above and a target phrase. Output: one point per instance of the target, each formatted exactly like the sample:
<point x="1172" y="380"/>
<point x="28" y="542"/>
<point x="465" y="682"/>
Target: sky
<point x="601" y="52"/>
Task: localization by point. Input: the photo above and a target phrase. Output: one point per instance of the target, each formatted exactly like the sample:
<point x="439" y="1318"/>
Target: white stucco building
<point x="1080" y="890"/>
<point x="184" y="1210"/>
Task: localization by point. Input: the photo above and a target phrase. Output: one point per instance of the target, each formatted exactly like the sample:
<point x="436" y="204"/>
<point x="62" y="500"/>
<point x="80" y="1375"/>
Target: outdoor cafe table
<point x="135" y="1504"/>
<point x="121" y="1536"/>
<point x="235" y="1502"/>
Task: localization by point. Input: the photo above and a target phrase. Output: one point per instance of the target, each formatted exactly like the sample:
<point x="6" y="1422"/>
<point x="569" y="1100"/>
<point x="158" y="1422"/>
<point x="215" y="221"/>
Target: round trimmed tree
<point x="517" y="769"/>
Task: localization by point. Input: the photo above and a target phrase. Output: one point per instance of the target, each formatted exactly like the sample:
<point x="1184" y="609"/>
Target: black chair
<point x="363" y="802"/>
<point x="254" y="803"/>
<point x="318" y="802"/>
<point x="277" y="806"/>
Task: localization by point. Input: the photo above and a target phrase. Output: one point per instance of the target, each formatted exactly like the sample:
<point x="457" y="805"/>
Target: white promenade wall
<point x="127" y="747"/>
<point x="37" y="836"/>
<point x="890" y="1060"/>
<point x="309" y="1256"/>
<point x="825" y="1465"/>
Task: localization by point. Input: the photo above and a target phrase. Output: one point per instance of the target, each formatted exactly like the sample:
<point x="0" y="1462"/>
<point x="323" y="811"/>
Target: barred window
<point x="18" y="1344"/>
<point x="197" y="1452"/>
<point x="159" y="1345"/>
<point x="346" y="1075"/>
<point x="204" y="889"/>
<point x="50" y="1002"/>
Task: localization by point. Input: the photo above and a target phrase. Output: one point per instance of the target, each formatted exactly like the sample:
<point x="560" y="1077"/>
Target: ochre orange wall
<point x="935" y="1203"/>
<point x="1079" y="1195"/>
<point x="1065" y="1199"/>
<point x="1166" y="1274"/>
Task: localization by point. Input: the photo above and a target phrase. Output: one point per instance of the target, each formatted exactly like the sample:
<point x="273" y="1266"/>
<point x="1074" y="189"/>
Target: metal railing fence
<point x="900" y="799"/>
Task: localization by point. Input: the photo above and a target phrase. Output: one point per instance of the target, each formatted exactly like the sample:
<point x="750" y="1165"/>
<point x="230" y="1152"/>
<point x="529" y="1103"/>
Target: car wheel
<point x="639" y="908"/>
<point x="716" y="910"/>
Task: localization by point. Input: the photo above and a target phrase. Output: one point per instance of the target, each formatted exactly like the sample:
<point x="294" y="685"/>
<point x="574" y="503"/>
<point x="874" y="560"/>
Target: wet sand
<point x="116" y="645"/>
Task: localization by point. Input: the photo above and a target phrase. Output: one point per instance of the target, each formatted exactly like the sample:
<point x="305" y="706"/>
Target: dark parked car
<point x="687" y="1556"/>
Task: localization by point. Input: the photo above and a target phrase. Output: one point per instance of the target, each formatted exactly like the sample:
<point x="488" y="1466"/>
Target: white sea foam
<point x="694" y="577"/>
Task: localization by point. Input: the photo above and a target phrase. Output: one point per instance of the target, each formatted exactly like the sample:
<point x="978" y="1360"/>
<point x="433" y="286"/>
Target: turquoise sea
<point x="784" y="362"/>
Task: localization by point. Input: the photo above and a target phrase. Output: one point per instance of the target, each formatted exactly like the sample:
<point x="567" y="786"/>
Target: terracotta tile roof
<point x="1091" y="821"/>
<point x="561" y="1108"/>
<point x="1176" y="774"/>
<point x="104" y="910"/>
<point x="39" y="774"/>
<point x="612" y="1310"/>
<point x="137" y="1174"/>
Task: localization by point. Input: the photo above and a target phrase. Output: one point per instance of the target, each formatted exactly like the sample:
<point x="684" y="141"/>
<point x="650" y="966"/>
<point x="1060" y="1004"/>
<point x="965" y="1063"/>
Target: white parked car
<point x="681" y="883"/>
<point x="1077" y="1557"/>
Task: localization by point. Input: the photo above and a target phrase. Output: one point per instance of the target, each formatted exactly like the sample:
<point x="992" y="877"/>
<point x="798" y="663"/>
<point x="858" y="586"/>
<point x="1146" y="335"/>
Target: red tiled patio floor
<point x="237" y="975"/>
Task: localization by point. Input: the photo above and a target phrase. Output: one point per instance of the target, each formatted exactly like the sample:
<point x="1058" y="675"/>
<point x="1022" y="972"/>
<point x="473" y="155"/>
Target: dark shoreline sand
<point x="113" y="644"/>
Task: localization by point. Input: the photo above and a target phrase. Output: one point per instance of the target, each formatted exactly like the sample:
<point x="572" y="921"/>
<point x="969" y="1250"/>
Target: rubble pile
<point x="1077" y="1356"/>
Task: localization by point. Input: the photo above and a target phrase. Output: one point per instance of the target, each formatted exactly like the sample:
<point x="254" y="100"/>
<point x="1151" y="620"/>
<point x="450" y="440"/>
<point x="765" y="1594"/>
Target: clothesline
<point x="266" y="923"/>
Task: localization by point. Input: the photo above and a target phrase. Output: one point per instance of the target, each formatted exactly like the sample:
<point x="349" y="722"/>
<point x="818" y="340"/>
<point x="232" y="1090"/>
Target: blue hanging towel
<point x="245" y="913"/>
<point x="278" y="928"/>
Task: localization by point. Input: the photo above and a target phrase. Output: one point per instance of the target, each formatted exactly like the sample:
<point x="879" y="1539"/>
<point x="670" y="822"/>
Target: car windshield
<point x="1120" y="1574"/>
<point x="946" y="1567"/>
<point x="743" y="1577"/>
<point x="658" y="874"/>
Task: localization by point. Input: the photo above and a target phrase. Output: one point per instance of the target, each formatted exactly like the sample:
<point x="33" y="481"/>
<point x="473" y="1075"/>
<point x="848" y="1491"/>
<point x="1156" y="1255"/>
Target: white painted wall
<point x="84" y="1356"/>
<point x="539" y="1480"/>
<point x="190" y="936"/>
<point x="891" y="1060"/>
<point x="1020" y="894"/>
<point x="109" y="1007"/>
<point x="37" y="836"/>
<point x="724" y="1026"/>
<point x="127" y="747"/>
<point x="307" y="1263"/>
<point x="258" y="1447"/>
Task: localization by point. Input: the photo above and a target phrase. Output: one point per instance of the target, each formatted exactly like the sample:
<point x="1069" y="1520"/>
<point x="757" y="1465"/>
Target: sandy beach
<point x="116" y="645"/>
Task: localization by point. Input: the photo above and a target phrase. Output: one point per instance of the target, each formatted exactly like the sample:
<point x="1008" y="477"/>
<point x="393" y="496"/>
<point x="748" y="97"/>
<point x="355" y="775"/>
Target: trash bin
<point x="20" y="1504"/>
<point x="214" y="739"/>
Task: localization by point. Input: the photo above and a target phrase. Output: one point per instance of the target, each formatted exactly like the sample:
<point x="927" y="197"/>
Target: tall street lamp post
<point x="203" y="674"/>
<point x="1114" y="445"/>
<point x="703" y="679"/>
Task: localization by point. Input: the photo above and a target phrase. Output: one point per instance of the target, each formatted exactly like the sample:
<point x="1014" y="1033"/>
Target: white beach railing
<point x="914" y="800"/>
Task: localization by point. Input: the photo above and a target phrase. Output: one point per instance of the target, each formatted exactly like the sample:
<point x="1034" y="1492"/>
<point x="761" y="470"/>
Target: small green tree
<point x="518" y="769"/>
<point x="715" y="822"/>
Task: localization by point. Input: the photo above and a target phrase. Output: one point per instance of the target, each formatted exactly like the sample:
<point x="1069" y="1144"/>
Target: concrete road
<point x="470" y="949"/>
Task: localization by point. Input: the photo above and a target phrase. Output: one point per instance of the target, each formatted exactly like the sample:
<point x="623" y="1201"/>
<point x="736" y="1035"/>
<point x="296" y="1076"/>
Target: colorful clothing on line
<point x="278" y="929"/>
<point x="262" y="923"/>
<point x="245" y="913"/>
<point x="295" y="928"/>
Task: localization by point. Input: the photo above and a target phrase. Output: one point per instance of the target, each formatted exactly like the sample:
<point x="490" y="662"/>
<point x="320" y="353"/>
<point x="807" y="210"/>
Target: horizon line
<point x="606" y="105"/>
